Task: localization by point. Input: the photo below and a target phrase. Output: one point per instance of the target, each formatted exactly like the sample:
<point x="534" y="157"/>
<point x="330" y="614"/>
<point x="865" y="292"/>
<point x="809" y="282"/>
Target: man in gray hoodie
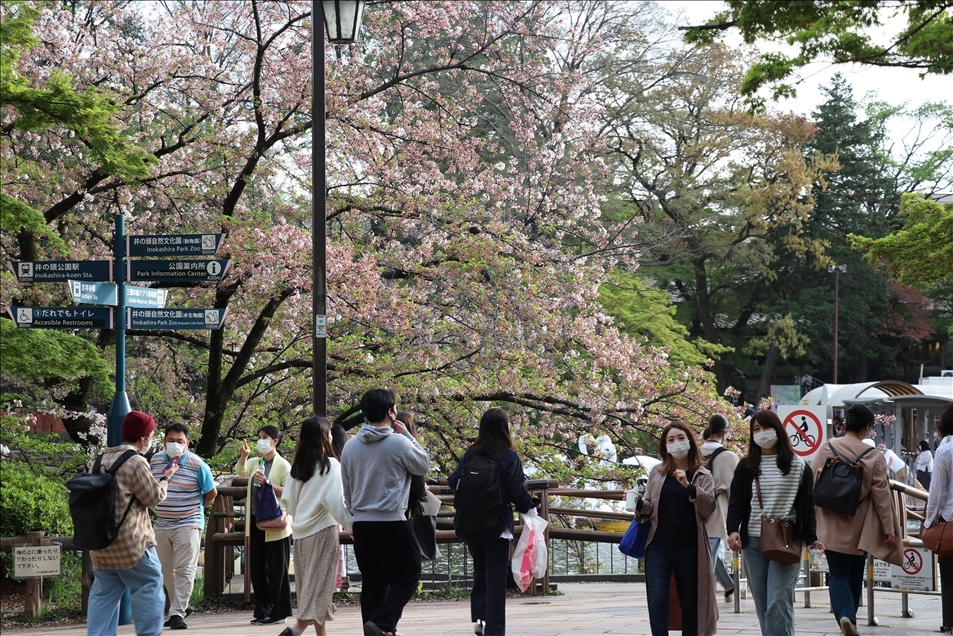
<point x="376" y="466"/>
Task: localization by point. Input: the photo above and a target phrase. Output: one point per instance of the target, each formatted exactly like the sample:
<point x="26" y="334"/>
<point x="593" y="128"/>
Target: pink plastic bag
<point x="530" y="557"/>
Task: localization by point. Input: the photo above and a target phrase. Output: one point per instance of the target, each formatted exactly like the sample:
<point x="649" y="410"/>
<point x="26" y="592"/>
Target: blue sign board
<point x="106" y="293"/>
<point x="92" y="293"/>
<point x="146" y="297"/>
<point x="173" y="244"/>
<point x="62" y="317"/>
<point x="62" y="271"/>
<point x="175" y="318"/>
<point x="178" y="271"/>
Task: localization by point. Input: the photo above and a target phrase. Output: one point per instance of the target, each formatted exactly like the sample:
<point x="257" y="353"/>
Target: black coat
<point x="739" y="504"/>
<point x="514" y="486"/>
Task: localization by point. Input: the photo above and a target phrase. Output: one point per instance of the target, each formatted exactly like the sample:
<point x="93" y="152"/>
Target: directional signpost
<point x="62" y="317"/>
<point x="62" y="271"/>
<point x="175" y="318"/>
<point x="804" y="425"/>
<point x="173" y="244"/>
<point x="146" y="297"/>
<point x="178" y="271"/>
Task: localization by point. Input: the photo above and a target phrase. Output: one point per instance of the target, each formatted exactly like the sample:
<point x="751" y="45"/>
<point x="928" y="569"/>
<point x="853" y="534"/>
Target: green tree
<point x="642" y="311"/>
<point x="921" y="253"/>
<point x="840" y="31"/>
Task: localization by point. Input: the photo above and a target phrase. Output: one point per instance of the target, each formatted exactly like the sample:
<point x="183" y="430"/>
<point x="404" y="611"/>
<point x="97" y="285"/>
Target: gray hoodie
<point x="376" y="465"/>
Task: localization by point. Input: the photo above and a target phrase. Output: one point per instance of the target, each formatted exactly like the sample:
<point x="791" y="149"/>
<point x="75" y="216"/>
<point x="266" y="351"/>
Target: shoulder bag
<point x="938" y="538"/>
<point x="777" y="537"/>
<point x="839" y="484"/>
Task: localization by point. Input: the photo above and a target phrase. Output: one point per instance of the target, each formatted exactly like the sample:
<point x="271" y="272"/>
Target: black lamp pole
<point x="342" y="21"/>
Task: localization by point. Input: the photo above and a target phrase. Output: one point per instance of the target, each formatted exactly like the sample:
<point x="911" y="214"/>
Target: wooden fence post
<point x="34" y="584"/>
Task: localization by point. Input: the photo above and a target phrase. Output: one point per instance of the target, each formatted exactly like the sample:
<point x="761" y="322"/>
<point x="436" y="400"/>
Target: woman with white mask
<point x="679" y="499"/>
<point x="771" y="481"/>
<point x="269" y="550"/>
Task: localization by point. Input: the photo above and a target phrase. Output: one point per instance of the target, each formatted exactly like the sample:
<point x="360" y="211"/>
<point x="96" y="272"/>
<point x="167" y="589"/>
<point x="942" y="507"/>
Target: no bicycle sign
<point x="804" y="426"/>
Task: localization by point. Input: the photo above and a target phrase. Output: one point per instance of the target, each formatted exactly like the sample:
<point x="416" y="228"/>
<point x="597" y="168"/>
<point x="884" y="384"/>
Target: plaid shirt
<point x="134" y="481"/>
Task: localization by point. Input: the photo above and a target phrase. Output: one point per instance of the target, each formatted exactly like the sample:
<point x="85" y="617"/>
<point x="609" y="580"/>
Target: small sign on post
<point x="41" y="560"/>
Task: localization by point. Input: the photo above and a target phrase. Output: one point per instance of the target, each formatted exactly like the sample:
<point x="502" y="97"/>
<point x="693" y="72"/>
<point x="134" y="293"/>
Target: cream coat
<point x="704" y="506"/>
<point x="876" y="516"/>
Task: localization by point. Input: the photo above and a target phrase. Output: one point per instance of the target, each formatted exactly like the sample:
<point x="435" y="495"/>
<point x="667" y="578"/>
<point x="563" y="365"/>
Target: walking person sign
<point x="804" y="426"/>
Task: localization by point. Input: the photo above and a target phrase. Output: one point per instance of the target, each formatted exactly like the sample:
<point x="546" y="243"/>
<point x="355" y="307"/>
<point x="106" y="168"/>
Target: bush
<point x="32" y="501"/>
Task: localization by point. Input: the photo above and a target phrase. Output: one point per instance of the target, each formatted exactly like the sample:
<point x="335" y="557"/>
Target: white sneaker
<point x="847" y="627"/>
<point x="478" y="627"/>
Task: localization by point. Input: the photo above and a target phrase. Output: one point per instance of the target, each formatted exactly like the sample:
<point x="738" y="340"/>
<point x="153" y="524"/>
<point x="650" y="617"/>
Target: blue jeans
<point x="718" y="557"/>
<point x="144" y="581"/>
<point x="660" y="563"/>
<point x="772" y="587"/>
<point x="845" y="583"/>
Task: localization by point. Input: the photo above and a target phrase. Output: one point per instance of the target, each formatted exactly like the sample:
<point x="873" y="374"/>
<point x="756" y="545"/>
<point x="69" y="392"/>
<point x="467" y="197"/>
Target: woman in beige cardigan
<point x="874" y="528"/>
<point x="679" y="499"/>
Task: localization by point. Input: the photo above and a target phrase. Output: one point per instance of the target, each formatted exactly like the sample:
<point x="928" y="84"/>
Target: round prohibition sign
<point x="912" y="562"/>
<point x="806" y="438"/>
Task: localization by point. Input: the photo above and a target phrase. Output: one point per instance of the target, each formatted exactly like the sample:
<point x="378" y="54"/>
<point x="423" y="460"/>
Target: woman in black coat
<point x="491" y="551"/>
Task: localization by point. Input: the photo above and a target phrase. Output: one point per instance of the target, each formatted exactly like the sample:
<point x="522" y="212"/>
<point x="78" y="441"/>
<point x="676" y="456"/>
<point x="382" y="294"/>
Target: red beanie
<point x="137" y="424"/>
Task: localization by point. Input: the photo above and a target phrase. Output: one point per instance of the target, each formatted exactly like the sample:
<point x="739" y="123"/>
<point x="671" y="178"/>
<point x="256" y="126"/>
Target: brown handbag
<point x="777" y="537"/>
<point x="938" y="538"/>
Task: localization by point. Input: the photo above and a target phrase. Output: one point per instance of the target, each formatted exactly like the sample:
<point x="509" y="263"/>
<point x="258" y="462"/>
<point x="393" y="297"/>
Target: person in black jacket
<point x="787" y="492"/>
<point x="491" y="553"/>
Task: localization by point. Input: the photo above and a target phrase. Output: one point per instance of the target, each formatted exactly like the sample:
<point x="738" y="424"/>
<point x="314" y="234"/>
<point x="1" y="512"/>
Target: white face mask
<point x="174" y="449"/>
<point x="264" y="445"/>
<point x="678" y="450"/>
<point x="766" y="439"/>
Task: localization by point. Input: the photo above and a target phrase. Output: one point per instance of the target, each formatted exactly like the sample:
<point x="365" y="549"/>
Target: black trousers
<point x="491" y="561"/>
<point x="389" y="560"/>
<point x="268" y="561"/>
<point x="946" y="581"/>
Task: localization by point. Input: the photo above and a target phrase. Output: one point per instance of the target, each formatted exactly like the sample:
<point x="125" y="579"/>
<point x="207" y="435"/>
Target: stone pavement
<point x="582" y="609"/>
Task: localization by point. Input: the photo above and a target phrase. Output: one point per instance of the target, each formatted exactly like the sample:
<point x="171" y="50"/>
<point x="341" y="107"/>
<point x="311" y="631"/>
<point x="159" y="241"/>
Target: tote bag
<point x="633" y="541"/>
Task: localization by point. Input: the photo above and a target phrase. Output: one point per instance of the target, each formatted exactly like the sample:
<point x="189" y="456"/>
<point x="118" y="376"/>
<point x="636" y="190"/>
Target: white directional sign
<point x="804" y="426"/>
<point x="916" y="573"/>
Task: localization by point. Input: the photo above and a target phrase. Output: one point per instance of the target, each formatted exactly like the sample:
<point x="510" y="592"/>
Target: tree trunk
<point x="765" y="385"/>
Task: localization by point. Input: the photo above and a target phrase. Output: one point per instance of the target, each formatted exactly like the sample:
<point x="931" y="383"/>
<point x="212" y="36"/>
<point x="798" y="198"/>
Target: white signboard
<point x="41" y="560"/>
<point x="916" y="573"/>
<point x="883" y="571"/>
<point x="804" y="426"/>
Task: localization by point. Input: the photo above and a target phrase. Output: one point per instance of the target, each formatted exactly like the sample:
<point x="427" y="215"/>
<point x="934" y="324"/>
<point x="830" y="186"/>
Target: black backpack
<point x="92" y="504"/>
<point x="479" y="497"/>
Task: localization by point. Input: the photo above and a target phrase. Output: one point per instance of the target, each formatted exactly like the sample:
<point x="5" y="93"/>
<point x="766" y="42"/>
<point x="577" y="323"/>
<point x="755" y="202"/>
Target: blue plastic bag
<point x="633" y="541"/>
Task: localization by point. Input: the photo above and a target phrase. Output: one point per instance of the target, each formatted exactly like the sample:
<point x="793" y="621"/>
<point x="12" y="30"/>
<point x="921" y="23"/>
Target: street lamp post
<point x="836" y="269"/>
<point x="342" y="22"/>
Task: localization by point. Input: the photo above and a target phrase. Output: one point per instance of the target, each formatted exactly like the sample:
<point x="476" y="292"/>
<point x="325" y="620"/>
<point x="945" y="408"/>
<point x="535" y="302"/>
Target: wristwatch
<point x="163" y="478"/>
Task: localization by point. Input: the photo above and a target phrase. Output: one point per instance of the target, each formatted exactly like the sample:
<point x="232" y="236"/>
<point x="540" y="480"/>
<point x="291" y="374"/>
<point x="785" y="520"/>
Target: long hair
<point x="314" y="449"/>
<point x="338" y="439"/>
<point x="694" y="457"/>
<point x="494" y="432"/>
<point x="769" y="419"/>
<point x="408" y="419"/>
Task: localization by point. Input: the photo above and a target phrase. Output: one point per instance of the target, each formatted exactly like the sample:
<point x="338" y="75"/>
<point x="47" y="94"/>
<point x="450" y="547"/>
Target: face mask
<point x="174" y="449"/>
<point x="678" y="450"/>
<point x="766" y="439"/>
<point x="264" y="445"/>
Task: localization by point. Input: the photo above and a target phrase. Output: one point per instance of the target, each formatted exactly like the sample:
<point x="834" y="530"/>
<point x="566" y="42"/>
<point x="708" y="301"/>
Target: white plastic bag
<point x="530" y="557"/>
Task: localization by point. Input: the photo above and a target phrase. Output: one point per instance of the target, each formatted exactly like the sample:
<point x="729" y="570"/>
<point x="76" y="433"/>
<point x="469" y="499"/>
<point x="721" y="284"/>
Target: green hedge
<point x="32" y="501"/>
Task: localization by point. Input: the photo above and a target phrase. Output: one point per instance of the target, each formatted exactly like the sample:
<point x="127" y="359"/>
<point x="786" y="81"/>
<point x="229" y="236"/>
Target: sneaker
<point x="847" y="627"/>
<point x="729" y="593"/>
<point x="176" y="622"/>
<point x="478" y="627"/>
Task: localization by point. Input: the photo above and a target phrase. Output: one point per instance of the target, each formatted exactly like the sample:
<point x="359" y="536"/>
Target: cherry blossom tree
<point x="463" y="174"/>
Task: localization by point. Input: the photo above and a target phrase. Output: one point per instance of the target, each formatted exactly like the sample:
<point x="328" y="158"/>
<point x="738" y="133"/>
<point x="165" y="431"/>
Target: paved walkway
<point x="582" y="609"/>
